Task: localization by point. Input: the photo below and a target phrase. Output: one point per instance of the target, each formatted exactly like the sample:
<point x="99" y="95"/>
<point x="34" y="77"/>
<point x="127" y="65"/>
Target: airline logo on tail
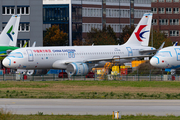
<point x="139" y="34"/>
<point x="9" y="33"/>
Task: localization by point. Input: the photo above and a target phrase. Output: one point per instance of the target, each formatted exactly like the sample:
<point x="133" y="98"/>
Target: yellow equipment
<point x="105" y="70"/>
<point x="115" y="70"/>
<point x="137" y="63"/>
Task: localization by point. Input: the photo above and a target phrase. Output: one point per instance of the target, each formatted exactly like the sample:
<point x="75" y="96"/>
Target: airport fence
<point x="54" y="77"/>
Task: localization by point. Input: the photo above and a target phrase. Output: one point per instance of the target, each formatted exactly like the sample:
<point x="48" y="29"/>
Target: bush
<point x="5" y="115"/>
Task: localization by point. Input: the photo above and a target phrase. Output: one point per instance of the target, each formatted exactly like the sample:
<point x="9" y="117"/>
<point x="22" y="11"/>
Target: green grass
<point x="89" y="117"/>
<point x="20" y="84"/>
<point x="159" y="84"/>
<point x="8" y="115"/>
<point x="49" y="89"/>
<point x="45" y="84"/>
<point x="87" y="95"/>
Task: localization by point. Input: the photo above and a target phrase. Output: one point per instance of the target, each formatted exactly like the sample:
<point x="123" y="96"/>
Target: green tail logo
<point x="9" y="33"/>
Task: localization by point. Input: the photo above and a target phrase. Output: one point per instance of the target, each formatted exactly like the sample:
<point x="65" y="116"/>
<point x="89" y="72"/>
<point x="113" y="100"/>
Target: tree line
<point x="55" y="37"/>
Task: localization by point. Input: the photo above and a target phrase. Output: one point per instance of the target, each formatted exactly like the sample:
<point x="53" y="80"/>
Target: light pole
<point x="152" y="34"/>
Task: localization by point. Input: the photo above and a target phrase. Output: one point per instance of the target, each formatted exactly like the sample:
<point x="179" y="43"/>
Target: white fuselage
<point x="168" y="57"/>
<point x="59" y="57"/>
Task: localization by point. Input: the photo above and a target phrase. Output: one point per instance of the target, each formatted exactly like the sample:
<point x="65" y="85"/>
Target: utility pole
<point x="70" y="23"/>
<point x="119" y="20"/>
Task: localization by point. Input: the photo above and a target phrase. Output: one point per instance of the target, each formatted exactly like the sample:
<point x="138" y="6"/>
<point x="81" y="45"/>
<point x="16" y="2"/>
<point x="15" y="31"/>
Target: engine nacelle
<point x="77" y="69"/>
<point x="30" y="72"/>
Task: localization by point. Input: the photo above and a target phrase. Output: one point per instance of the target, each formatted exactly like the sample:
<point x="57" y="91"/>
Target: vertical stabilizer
<point x="9" y="34"/>
<point x="15" y="36"/>
<point x="140" y="35"/>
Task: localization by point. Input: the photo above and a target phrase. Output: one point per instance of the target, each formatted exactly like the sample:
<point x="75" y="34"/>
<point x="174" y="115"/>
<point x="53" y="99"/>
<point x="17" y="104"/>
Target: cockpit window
<point x="164" y="54"/>
<point x="16" y="55"/>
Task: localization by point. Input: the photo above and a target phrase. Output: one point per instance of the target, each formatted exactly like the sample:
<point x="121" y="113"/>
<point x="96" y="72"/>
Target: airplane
<point x="8" y="37"/>
<point x="78" y="60"/>
<point x="167" y="58"/>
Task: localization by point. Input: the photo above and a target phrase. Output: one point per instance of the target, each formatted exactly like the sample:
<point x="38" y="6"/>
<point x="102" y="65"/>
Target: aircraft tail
<point x="140" y="35"/>
<point x="9" y="34"/>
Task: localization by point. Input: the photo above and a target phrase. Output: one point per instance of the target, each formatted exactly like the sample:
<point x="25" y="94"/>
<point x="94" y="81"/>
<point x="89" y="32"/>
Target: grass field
<point x="8" y="115"/>
<point x="85" y="117"/>
<point x="91" y="89"/>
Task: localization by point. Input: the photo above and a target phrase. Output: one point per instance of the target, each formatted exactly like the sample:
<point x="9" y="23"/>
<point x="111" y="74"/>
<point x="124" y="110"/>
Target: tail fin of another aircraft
<point x="9" y="34"/>
<point x="140" y="35"/>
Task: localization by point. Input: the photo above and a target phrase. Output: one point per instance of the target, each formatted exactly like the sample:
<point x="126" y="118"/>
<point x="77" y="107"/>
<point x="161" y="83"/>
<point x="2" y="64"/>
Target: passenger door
<point x="130" y="53"/>
<point x="178" y="53"/>
<point x="30" y="55"/>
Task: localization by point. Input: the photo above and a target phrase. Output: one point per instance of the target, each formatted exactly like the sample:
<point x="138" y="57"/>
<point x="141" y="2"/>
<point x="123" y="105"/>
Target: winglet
<point x="162" y="45"/>
<point x="34" y="44"/>
<point x="175" y="44"/>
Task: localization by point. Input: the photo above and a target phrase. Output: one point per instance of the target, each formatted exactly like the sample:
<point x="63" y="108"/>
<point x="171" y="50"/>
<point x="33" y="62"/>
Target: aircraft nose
<point x="154" y="61"/>
<point x="6" y="62"/>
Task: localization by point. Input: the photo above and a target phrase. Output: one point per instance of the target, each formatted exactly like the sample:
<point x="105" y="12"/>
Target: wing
<point x="62" y="64"/>
<point x="108" y="59"/>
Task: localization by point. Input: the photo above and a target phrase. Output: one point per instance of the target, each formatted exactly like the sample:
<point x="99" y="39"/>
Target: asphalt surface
<point x="91" y="106"/>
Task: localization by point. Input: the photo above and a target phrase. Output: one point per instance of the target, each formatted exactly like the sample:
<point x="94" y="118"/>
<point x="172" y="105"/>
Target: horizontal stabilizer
<point x="147" y="51"/>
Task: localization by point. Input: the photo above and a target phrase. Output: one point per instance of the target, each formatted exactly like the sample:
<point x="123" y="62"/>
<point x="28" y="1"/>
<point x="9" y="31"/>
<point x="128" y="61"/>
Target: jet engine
<point x="30" y="72"/>
<point x="77" y="69"/>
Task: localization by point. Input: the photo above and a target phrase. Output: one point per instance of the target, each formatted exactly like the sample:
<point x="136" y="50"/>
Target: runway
<point x="91" y="106"/>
